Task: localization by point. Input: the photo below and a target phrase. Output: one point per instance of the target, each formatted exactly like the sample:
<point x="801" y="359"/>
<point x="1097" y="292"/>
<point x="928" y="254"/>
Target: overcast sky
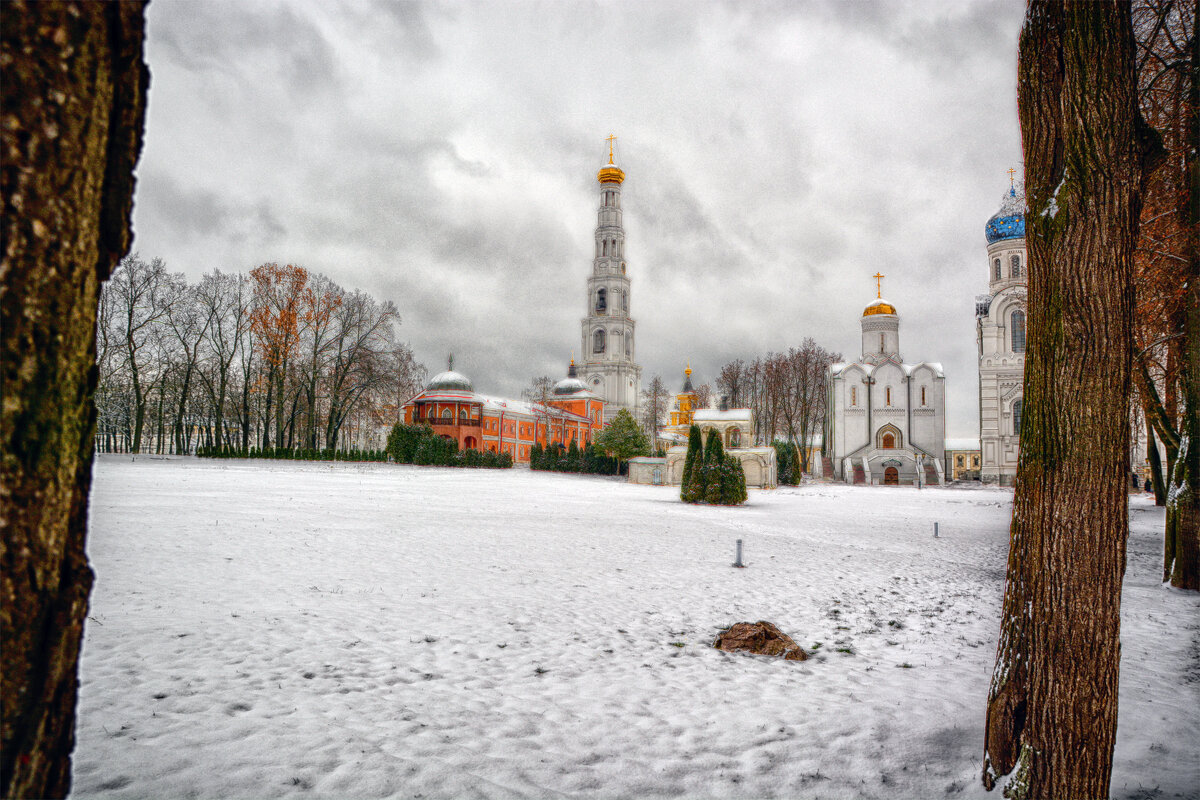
<point x="444" y="156"/>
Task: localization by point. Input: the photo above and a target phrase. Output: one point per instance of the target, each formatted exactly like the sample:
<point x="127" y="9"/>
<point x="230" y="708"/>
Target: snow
<point x="278" y="629"/>
<point x="962" y="444"/>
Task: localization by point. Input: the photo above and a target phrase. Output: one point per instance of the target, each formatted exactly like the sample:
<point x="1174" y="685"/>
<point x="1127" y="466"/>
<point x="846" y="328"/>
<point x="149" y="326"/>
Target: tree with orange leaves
<point x="274" y="321"/>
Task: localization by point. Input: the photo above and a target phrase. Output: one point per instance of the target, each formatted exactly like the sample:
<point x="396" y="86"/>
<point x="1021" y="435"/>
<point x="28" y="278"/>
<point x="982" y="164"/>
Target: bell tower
<point x="608" y="344"/>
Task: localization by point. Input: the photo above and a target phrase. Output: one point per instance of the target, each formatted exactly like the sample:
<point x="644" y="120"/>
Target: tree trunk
<point x="1184" y="498"/>
<point x="74" y="99"/>
<point x="1052" y="706"/>
<point x="1156" y="475"/>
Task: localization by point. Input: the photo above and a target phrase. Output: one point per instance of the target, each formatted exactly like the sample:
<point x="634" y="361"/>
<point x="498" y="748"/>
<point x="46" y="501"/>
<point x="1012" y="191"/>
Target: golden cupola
<point x="880" y="306"/>
<point x="610" y="172"/>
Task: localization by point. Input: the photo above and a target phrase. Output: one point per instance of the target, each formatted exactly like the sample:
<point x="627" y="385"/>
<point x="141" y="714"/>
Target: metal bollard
<point x="739" y="563"/>
<point x="935" y="530"/>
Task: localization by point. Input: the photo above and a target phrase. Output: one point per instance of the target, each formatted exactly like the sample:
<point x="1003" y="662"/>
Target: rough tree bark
<point x="74" y="94"/>
<point x="1052" y="707"/>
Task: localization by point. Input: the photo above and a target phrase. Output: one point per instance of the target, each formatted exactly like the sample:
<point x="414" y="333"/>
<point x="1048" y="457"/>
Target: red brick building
<point x="451" y="406"/>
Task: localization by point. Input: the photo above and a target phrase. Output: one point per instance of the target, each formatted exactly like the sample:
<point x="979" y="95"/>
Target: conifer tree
<point x="695" y="453"/>
<point x="623" y="439"/>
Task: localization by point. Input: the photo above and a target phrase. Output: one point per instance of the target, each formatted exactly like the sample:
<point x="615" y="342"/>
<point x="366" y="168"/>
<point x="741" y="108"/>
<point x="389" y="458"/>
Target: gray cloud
<point x="444" y="156"/>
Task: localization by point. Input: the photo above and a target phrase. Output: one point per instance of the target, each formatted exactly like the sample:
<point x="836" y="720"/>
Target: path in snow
<point x="278" y="629"/>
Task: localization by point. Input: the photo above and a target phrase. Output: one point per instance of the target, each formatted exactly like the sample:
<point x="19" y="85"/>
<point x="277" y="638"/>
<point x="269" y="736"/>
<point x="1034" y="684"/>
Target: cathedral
<point x="610" y="369"/>
<point x="1000" y="334"/>
<point x="886" y="420"/>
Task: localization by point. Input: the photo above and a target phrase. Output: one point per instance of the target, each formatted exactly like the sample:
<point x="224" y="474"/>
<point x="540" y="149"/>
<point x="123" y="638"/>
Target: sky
<point x="443" y="156"/>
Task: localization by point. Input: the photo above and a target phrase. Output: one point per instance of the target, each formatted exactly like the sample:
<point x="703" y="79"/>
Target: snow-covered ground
<point x="267" y="629"/>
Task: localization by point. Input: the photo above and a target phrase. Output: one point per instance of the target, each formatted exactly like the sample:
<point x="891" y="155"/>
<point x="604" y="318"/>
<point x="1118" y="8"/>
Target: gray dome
<point x="569" y="386"/>
<point x="450" y="381"/>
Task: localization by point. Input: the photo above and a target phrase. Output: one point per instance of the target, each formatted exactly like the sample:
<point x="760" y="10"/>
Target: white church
<point x="885" y="421"/>
<point x="1000" y="335"/>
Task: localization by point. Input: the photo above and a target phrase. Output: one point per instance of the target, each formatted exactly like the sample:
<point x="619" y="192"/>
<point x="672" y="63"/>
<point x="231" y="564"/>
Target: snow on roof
<point x="716" y="415"/>
<point x="962" y="444"/>
<point x="527" y="408"/>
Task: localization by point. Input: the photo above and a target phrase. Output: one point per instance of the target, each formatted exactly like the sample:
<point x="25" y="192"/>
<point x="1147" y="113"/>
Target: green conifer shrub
<point x="695" y="452"/>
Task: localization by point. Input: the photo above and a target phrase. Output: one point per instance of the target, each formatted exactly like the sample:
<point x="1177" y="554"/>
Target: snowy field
<point x="265" y="629"/>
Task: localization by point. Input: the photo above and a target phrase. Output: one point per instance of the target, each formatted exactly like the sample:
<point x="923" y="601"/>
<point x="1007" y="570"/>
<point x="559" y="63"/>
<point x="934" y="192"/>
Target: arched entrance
<point x="891" y="477"/>
<point x="470" y="443"/>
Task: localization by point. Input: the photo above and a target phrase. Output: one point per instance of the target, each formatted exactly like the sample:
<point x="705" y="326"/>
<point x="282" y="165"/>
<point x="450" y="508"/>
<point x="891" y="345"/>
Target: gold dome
<point x="610" y="173"/>
<point x="879" y="307"/>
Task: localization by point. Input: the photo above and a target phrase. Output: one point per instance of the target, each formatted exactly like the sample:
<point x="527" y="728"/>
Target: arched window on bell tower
<point x="1015" y="262"/>
<point x="601" y="301"/>
<point x="598" y="341"/>
<point x="996" y="270"/>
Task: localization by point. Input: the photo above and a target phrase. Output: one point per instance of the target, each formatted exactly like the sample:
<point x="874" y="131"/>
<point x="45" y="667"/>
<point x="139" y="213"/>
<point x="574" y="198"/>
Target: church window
<point x="601" y="301"/>
<point x="624" y="298"/>
<point x="605" y="247"/>
<point x="598" y="342"/>
<point x="1017" y="418"/>
<point x="881" y="343"/>
<point x="735" y="437"/>
<point x="629" y="345"/>
<point x="888" y="395"/>
<point x="1016" y="266"/>
<point x="960" y="461"/>
<point x="853" y="395"/>
<point x="996" y="270"/>
<point x="1018" y="331"/>
<point x="447" y="413"/>
<point x="889" y="441"/>
<point x="922" y="395"/>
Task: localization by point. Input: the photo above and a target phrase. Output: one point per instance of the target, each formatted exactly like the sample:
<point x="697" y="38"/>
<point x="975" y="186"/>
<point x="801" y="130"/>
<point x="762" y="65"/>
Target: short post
<point x="935" y="530"/>
<point x="739" y="563"/>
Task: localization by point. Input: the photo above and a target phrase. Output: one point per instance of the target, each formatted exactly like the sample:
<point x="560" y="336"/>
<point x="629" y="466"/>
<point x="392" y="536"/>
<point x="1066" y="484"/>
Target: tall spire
<point x="1012" y="181"/>
<point x="450" y="363"/>
<point x="610" y="140"/>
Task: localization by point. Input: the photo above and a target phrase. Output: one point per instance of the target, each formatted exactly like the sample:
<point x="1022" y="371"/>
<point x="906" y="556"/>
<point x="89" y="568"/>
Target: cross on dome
<point x="878" y="284"/>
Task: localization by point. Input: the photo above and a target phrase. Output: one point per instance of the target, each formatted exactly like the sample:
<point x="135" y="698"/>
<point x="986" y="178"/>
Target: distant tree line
<point x="279" y="358"/>
<point x="786" y="392"/>
<point x="291" y="453"/>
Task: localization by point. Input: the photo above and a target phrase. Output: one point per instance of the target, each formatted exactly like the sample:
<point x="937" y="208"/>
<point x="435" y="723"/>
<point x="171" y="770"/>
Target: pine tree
<point x="695" y="453"/>
<point x="623" y="439"/>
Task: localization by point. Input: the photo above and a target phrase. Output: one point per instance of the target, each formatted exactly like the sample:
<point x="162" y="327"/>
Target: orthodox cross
<point x="878" y="285"/>
<point x="450" y="362"/>
<point x="610" y="147"/>
<point x="1011" y="180"/>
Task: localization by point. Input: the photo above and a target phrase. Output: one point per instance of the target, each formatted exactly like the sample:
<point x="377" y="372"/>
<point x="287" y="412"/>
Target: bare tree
<point x="365" y="337"/>
<point x="655" y="403"/>
<point x="74" y="91"/>
<point x="1052" y="706"/>
<point x="141" y="297"/>
<point x="226" y="300"/>
<point x="731" y="382"/>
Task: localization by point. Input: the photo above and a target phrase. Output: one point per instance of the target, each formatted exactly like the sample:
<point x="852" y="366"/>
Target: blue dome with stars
<point x="1009" y="221"/>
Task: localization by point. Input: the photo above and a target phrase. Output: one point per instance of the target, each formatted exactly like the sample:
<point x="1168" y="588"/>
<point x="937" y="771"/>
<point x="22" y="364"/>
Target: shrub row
<point x="291" y="453"/>
<point x="418" y="444"/>
<point x="557" y="458"/>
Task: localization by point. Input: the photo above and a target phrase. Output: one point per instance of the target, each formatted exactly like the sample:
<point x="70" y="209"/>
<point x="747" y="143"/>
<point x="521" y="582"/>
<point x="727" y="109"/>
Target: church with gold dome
<point x="885" y="420"/>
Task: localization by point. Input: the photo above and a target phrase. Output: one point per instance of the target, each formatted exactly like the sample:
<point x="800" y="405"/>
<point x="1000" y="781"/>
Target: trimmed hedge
<point x="291" y="453"/>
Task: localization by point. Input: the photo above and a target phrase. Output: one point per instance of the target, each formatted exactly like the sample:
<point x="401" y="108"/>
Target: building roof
<point x="716" y="415"/>
<point x="1009" y="221"/>
<point x="449" y="380"/>
<point x="962" y="444"/>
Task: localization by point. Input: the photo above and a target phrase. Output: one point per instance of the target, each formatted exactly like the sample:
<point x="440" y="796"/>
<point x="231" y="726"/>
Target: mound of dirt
<point x="760" y="637"/>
